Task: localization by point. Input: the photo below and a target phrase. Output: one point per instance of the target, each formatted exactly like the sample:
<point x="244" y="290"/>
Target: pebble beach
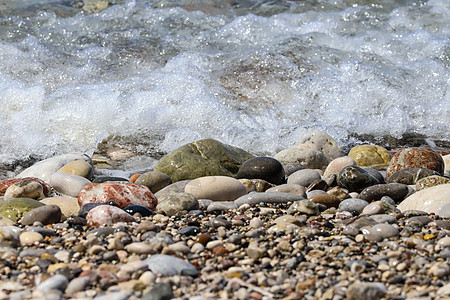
<point x="312" y="222"/>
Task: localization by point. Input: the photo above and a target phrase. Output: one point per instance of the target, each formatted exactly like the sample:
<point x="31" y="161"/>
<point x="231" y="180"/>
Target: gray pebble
<point x="57" y="282"/>
<point x="167" y="265"/>
<point x="353" y="205"/>
<point x="77" y="285"/>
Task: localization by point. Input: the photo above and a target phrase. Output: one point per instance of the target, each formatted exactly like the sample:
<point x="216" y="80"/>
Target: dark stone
<point x="376" y="174"/>
<point x="84" y="210"/>
<point x="355" y="179"/>
<point x="143" y="211"/>
<point x="261" y="167"/>
<point x="291" y="168"/>
<point x="76" y="221"/>
<point x="410" y="176"/>
<point x="318" y="184"/>
<point x="160" y="291"/>
<point x="189" y="230"/>
<point x="101" y="232"/>
<point x="103" y="179"/>
<point x="397" y="191"/>
<point x="47" y="214"/>
<point x="42" y="230"/>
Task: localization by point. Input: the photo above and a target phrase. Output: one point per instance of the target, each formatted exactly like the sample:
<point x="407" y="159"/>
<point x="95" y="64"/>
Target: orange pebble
<point x="134" y="178"/>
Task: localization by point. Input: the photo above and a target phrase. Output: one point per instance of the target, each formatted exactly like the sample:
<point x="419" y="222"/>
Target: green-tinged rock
<point x="205" y="157"/>
<point x="15" y="209"/>
<point x="94" y="6"/>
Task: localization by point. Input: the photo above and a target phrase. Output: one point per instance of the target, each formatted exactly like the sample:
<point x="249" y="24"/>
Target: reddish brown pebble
<point x="421" y="158"/>
<point x="203" y="238"/>
<point x="326" y="199"/>
<point x="219" y="250"/>
<point x="124" y="194"/>
<point x="134" y="177"/>
<point x="255" y="295"/>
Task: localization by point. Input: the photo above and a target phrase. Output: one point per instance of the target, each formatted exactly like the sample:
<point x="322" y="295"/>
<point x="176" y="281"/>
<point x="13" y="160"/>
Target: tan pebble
<point x="79" y="168"/>
<point x="147" y="278"/>
<point x="401" y="267"/>
<point x="386" y="275"/>
<point x="213" y="244"/>
<point x="284" y="246"/>
<point x="30" y="237"/>
<point x="53" y="268"/>
<point x="197" y="248"/>
<point x="180" y="247"/>
<point x="116" y="244"/>
<point x="359" y="238"/>
<point x="95" y="249"/>
<point x="357" y="268"/>
<point x="139" y="248"/>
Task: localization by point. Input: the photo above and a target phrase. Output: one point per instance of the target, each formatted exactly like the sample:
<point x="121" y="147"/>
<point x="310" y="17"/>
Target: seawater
<point x="153" y="75"/>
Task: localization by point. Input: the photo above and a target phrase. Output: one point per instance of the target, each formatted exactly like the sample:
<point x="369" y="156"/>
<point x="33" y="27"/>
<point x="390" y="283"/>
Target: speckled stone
<point x="124" y="194"/>
<point x="15" y="209"/>
<point x="410" y="176"/>
<point x="355" y="179"/>
<point x="303" y="177"/>
<point x="178" y="202"/>
<point x="366" y="291"/>
<point x="397" y="191"/>
<point x="429" y="200"/>
<point x="47" y="214"/>
<point x="304" y="207"/>
<point x="154" y="180"/>
<point x="430" y="181"/>
<point x="256" y="185"/>
<point x="370" y="156"/>
<point x="321" y="141"/>
<point x="216" y="188"/>
<point x="311" y="159"/>
<point x="5" y="184"/>
<point x="422" y="158"/>
<point x="107" y="215"/>
<point x="262" y="167"/>
<point x="26" y="188"/>
<point x="277" y="197"/>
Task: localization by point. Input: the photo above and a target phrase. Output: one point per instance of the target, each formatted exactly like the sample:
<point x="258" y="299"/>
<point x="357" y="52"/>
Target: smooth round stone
<point x="431" y="181"/>
<point x="216" y="188"/>
<point x="167" y="265"/>
<point x="444" y="211"/>
<point x="77" y="285"/>
<point x="379" y="207"/>
<point x="220" y="222"/>
<point x="430" y="200"/>
<point x="256" y="223"/>
<point x="410" y="176"/>
<point x="309" y="158"/>
<point x="422" y="158"/>
<point x="176" y="187"/>
<point x="57" y="282"/>
<point x="327" y="200"/>
<point x="339" y="192"/>
<point x="45" y="168"/>
<point x="221" y="206"/>
<point x="5" y="184"/>
<point x="134" y="209"/>
<point x="375" y="173"/>
<point x="303" y="177"/>
<point x="355" y="179"/>
<point x="256" y="185"/>
<point x="78" y="168"/>
<point x="15" y="209"/>
<point x="189" y="230"/>
<point x="366" y="291"/>
<point x="321" y="141"/>
<point x="444" y="242"/>
<point x="370" y="156"/>
<point x="314" y="193"/>
<point x="304" y="206"/>
<point x="30" y="237"/>
<point x="353" y="205"/>
<point x="261" y="167"/>
<point x="26" y="188"/>
<point x="154" y="180"/>
<point x="159" y="291"/>
<point x="67" y="184"/>
<point x="387" y="199"/>
<point x="124" y="194"/>
<point x="178" y="202"/>
<point x="103" y="179"/>
<point x="107" y="215"/>
<point x="384" y="219"/>
<point x="289" y="188"/>
<point x="384" y="230"/>
<point x="335" y="166"/>
<point x="47" y="214"/>
<point x="446" y="159"/>
<point x="68" y="205"/>
<point x="396" y="191"/>
<point x="139" y="248"/>
<point x="278" y="197"/>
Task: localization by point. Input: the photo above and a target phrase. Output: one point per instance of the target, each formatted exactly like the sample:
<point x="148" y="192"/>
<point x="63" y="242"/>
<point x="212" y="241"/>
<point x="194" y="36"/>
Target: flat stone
<point x="353" y="205"/>
<point x="289" y="188"/>
<point x="355" y="179"/>
<point x="79" y="168"/>
<point x="221" y="206"/>
<point x="216" y="188"/>
<point x="56" y="282"/>
<point x="396" y="191"/>
<point x="47" y="214"/>
<point x="384" y="230"/>
<point x="26" y="188"/>
<point x="124" y="194"/>
<point x="261" y="167"/>
<point x="16" y="208"/>
<point x="430" y="200"/>
<point x="68" y="184"/>
<point x="410" y="176"/>
<point x="68" y="205"/>
<point x="45" y="168"/>
<point x="167" y="265"/>
<point x="178" y="202"/>
<point x="277" y="197"/>
<point x="139" y="248"/>
<point x="154" y="180"/>
<point x="303" y="177"/>
<point x="107" y="215"/>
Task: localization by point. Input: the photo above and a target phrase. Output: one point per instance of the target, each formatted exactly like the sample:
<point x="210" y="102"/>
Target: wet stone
<point x="304" y="177"/>
<point x="353" y="205"/>
<point x="189" y="230"/>
<point x="416" y="157"/>
<point x="355" y="179"/>
<point x="134" y="209"/>
<point x="397" y="191"/>
<point x="47" y="214"/>
<point x="266" y="168"/>
<point x="84" y="210"/>
<point x="169" y="265"/>
<point x="410" y="176"/>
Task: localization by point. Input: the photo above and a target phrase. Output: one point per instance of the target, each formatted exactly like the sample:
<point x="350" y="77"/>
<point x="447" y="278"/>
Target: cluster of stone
<point x="214" y="221"/>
